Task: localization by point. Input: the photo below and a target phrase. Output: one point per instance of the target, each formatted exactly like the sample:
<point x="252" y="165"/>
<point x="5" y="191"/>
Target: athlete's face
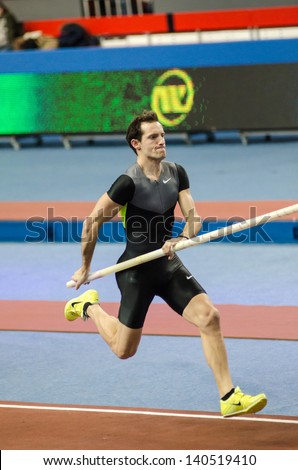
<point x="152" y="143"/>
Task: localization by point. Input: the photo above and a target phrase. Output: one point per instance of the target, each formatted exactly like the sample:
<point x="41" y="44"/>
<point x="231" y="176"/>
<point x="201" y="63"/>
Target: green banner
<point x="254" y="97"/>
<point x="100" y="102"/>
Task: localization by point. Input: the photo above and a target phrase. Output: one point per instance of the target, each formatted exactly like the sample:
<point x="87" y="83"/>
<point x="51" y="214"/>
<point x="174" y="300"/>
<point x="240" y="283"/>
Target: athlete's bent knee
<point x="211" y="319"/>
<point x="125" y="353"/>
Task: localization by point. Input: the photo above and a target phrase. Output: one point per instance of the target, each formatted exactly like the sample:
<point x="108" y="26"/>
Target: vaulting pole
<point x="207" y="237"/>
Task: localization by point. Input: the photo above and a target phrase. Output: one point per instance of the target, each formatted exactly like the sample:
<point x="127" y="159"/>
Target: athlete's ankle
<point x="91" y="310"/>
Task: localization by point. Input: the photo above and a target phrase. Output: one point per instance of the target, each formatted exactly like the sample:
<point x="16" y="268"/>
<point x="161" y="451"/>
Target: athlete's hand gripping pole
<point x="207" y="237"/>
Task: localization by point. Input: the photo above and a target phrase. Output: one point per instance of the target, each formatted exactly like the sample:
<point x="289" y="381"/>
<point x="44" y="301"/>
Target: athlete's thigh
<point x="180" y="289"/>
<point x="137" y="294"/>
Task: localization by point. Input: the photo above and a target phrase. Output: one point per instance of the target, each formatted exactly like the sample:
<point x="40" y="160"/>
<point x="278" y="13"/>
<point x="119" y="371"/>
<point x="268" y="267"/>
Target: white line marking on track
<point x="148" y="413"/>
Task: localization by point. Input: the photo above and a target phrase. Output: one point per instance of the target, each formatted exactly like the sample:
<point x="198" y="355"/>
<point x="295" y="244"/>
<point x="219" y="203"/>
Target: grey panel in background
<point x="51" y="9"/>
<point x="168" y="6"/>
<point x="26" y="10"/>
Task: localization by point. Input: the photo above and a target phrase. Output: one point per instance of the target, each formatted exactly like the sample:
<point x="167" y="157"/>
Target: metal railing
<point x="116" y="7"/>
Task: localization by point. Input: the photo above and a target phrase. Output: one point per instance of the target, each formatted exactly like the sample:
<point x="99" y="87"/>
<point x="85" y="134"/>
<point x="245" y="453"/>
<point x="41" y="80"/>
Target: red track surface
<point x="84" y="428"/>
<point x="221" y="210"/>
<point x="238" y="321"/>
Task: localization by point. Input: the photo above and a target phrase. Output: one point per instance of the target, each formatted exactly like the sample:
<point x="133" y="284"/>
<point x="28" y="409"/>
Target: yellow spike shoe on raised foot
<point x="77" y="308"/>
<point x="239" y="404"/>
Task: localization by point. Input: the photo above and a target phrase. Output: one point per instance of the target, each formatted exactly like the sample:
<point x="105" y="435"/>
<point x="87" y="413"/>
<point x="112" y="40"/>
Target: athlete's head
<point x="134" y="130"/>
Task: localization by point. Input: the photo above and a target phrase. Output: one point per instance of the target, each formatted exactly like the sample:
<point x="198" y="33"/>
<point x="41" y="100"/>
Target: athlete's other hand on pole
<point x="80" y="277"/>
<point x="168" y="247"/>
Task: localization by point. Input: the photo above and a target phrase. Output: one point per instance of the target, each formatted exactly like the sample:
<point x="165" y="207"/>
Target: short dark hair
<point x="3" y="6"/>
<point x="75" y="35"/>
<point x="134" y="130"/>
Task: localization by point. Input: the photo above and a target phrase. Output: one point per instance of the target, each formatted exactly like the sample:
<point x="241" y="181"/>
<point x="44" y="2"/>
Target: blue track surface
<point x="167" y="372"/>
<point x="218" y="172"/>
<point x="232" y="274"/>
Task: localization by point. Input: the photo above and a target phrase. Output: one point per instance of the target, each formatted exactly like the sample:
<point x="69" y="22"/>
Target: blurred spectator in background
<point x="147" y="7"/>
<point x="29" y="43"/>
<point x="74" y="35"/>
<point x="10" y="28"/>
<point x="35" y="40"/>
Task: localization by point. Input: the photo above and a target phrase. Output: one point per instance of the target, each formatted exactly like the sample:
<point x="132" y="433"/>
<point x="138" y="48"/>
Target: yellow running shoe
<point x="239" y="403"/>
<point x="77" y="307"/>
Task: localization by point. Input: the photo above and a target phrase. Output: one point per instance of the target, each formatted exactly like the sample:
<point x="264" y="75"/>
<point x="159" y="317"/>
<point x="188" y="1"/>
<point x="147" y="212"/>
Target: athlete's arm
<point x="187" y="205"/>
<point x="188" y="209"/>
<point x="193" y="220"/>
<point x="104" y="210"/>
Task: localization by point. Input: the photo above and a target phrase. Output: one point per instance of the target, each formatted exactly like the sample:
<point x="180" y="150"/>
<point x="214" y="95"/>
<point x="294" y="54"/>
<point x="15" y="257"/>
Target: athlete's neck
<point x="151" y="167"/>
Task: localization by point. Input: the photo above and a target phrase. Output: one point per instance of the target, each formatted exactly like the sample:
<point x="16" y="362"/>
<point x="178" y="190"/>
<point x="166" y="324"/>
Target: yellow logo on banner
<point x="172" y="97"/>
